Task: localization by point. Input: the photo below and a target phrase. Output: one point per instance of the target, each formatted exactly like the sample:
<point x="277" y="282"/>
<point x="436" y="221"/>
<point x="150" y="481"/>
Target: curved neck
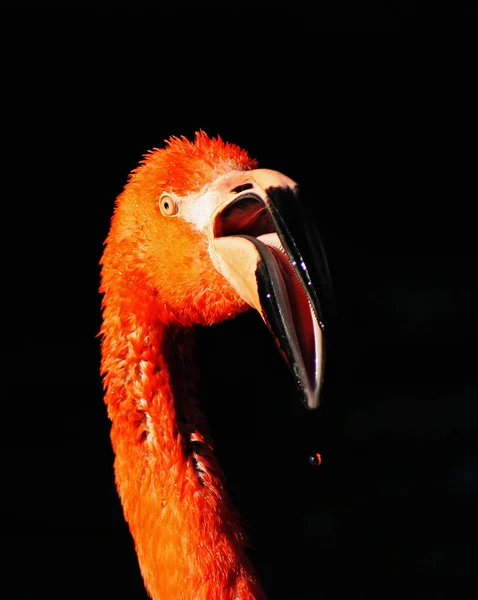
<point x="186" y="532"/>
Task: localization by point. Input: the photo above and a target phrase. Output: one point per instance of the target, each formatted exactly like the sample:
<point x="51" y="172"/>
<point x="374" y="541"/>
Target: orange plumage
<point x="158" y="281"/>
<point x="198" y="235"/>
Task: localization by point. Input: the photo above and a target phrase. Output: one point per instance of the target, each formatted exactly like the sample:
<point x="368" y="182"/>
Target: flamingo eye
<point x="168" y="206"/>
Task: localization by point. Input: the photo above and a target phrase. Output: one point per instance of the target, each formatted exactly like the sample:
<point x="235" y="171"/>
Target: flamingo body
<point x="161" y="275"/>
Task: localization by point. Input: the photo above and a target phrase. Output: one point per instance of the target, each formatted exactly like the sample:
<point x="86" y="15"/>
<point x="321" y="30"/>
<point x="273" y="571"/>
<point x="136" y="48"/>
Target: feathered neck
<point x="189" y="542"/>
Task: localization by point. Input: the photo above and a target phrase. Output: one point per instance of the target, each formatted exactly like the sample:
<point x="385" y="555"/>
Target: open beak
<point x="265" y="246"/>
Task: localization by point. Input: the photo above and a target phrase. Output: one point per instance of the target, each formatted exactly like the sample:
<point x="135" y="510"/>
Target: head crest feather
<point x="185" y="166"/>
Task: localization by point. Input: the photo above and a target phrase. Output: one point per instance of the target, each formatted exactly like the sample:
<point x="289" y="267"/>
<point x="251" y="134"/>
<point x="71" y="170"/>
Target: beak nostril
<point x="242" y="188"/>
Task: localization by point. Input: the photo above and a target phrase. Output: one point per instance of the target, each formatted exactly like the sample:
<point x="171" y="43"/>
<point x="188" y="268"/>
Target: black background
<point x="379" y="128"/>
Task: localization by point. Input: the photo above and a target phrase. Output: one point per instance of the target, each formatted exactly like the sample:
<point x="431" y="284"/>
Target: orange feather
<point x="157" y="282"/>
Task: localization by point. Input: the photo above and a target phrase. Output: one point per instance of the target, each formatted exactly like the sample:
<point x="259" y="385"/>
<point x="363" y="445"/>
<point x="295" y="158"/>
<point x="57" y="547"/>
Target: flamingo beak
<point x="266" y="247"/>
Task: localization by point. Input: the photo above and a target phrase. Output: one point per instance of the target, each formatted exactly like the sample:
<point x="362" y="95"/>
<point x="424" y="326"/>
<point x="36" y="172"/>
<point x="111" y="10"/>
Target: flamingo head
<point x="200" y="234"/>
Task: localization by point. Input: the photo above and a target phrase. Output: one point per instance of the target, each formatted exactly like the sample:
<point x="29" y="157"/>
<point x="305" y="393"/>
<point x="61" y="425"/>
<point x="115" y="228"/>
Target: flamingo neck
<point x="186" y="532"/>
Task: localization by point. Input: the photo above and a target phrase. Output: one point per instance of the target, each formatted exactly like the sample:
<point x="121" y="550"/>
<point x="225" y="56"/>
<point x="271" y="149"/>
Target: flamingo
<point x="198" y="235"/>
